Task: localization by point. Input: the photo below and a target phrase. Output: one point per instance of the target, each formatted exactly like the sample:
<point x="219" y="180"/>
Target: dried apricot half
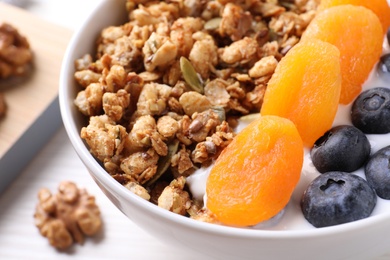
<point x="253" y="178"/>
<point x="380" y="7"/>
<point x="357" y="32"/>
<point x="305" y="88"/>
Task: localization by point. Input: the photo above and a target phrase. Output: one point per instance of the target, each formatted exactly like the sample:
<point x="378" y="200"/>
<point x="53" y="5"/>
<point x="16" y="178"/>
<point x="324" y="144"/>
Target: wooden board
<point x="33" y="112"/>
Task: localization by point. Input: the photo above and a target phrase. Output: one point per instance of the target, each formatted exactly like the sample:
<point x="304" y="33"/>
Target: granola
<point x="165" y="89"/>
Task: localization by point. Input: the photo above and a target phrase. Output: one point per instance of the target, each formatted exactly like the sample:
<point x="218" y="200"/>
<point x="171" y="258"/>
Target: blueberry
<point x="335" y="198"/>
<point x="388" y="35"/>
<point x="383" y="66"/>
<point x="343" y="148"/>
<point x="371" y="111"/>
<point x="377" y="172"/>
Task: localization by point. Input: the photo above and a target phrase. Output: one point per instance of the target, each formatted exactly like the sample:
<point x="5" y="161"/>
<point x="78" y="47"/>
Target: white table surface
<point x="57" y="161"/>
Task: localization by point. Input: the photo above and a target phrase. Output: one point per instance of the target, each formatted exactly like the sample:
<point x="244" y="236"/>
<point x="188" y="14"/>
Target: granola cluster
<point x="165" y="90"/>
<point x="68" y="216"/>
<point x="15" y="52"/>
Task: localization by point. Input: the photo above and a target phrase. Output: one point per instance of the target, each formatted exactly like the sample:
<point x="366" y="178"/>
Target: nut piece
<point x="3" y="106"/>
<point x="68" y="216"/>
<point x="15" y="53"/>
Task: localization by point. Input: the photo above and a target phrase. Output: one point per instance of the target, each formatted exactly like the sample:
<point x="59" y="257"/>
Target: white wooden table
<point x="57" y="161"/>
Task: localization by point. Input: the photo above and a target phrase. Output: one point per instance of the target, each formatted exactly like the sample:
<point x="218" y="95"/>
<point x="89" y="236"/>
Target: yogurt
<point x="291" y="218"/>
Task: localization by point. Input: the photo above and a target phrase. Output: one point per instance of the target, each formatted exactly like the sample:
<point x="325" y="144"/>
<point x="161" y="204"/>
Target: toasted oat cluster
<point x="68" y="216"/>
<point x="15" y="53"/>
<point x="164" y="91"/>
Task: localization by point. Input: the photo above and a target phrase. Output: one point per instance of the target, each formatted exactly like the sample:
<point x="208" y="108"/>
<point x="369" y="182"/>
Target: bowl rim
<point x="97" y="171"/>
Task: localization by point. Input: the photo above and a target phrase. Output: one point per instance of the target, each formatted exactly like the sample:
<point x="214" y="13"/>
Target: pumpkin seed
<point x="220" y="111"/>
<point x="213" y="24"/>
<point x="273" y="36"/>
<point x="288" y="5"/>
<point x="164" y="162"/>
<point x="191" y="76"/>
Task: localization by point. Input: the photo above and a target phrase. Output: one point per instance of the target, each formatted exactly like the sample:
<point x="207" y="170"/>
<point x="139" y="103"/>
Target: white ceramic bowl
<point x="358" y="240"/>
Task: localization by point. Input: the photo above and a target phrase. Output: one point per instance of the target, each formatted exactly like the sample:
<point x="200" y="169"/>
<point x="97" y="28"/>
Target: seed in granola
<point x="210" y="147"/>
<point x="195" y="126"/>
<point x="213" y="24"/>
<point x="220" y="111"/>
<point x="164" y="162"/>
<point x="191" y="76"/>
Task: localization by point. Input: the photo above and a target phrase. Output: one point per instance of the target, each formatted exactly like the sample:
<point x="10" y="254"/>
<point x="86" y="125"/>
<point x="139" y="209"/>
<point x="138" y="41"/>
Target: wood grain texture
<point x="28" y="100"/>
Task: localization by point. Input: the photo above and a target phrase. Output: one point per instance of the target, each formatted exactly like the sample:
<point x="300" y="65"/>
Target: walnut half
<point x="68" y="216"/>
<point x="15" y="53"/>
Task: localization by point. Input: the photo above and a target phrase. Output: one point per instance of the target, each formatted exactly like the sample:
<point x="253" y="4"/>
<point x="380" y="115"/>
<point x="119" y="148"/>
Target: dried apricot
<point x="379" y="7"/>
<point x="305" y="88"/>
<point x="357" y="32"/>
<point x="253" y="178"/>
